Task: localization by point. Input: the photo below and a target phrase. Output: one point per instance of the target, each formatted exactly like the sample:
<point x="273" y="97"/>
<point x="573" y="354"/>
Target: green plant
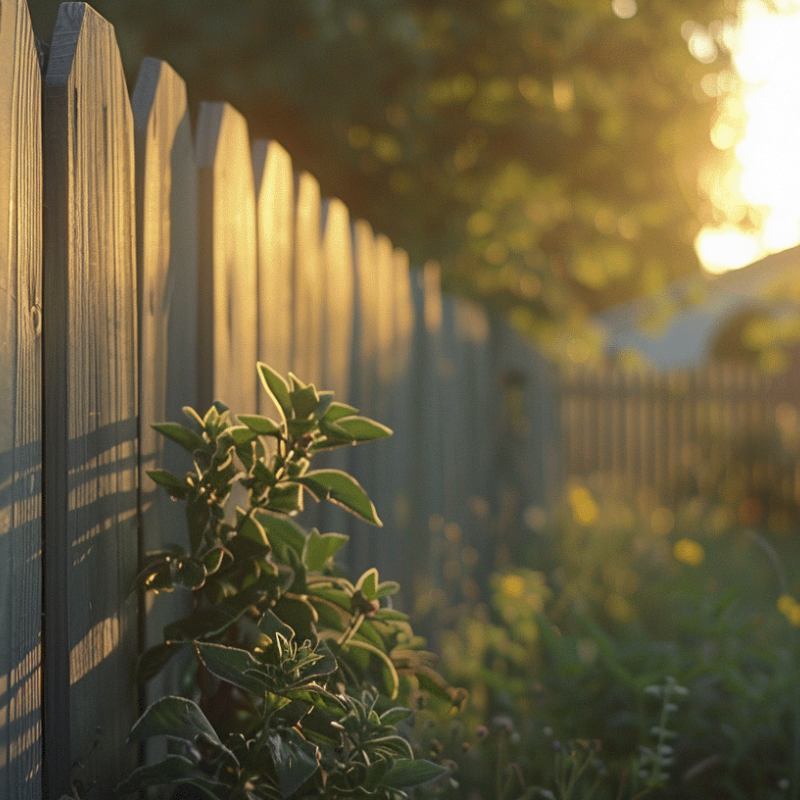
<point x="294" y="689"/>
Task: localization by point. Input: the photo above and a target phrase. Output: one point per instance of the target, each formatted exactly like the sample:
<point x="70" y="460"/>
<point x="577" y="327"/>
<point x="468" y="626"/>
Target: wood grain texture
<point x="339" y="291"/>
<point x="227" y="300"/>
<point x="90" y="426"/>
<point x="307" y="351"/>
<point x="20" y="405"/>
<point x="275" y="213"/>
<point x="166" y="243"/>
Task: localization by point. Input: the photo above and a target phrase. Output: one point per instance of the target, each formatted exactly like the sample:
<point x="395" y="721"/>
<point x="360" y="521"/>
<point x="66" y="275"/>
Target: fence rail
<point x="140" y="273"/>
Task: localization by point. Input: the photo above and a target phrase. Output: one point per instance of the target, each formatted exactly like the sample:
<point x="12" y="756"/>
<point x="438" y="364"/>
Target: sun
<point x="768" y="60"/>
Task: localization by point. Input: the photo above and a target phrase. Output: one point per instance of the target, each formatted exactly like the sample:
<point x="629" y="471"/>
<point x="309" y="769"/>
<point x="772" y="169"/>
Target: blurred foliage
<point x="578" y="641"/>
<point x="555" y="156"/>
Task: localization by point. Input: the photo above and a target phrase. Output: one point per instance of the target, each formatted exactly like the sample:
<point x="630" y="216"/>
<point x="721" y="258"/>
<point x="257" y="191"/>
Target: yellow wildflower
<point x="790" y="609"/>
<point x="584" y="508"/>
<point x="688" y="551"/>
<point x="512" y="586"/>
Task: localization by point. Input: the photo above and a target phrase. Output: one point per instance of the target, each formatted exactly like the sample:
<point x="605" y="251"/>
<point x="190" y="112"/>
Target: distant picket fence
<point x="668" y="431"/>
<point x="144" y="268"/>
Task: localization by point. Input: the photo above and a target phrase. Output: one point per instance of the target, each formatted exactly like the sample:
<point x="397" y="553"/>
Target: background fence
<point x="144" y="267"/>
<point x="724" y="429"/>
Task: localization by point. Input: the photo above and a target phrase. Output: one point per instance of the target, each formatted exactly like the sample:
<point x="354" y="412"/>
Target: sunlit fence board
<point x="307" y="346"/>
<point x="20" y="405"/>
<point x="166" y="196"/>
<point x="90" y="426"/>
<point x="337" y="263"/>
<point x="228" y="298"/>
<point x="274" y="181"/>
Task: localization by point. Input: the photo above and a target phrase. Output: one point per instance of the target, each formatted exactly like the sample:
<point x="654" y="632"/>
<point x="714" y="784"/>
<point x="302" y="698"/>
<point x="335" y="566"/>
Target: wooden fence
<point x="684" y="431"/>
<point x="144" y="268"/>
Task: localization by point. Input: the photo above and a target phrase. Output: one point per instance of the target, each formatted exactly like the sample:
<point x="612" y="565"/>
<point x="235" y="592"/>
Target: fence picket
<point x="90" y="364"/>
<point x="338" y="288"/>
<point x="274" y="181"/>
<point x="20" y="406"/>
<point x="227" y="330"/>
<point x="307" y="344"/>
<point x="166" y="196"/>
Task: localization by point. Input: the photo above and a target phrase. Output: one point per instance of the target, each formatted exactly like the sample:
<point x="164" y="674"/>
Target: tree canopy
<point x="552" y="155"/>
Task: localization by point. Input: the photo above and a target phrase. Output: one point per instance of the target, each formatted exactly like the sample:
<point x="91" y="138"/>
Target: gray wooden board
<point x="425" y="460"/>
<point x="337" y="334"/>
<point x="227" y="295"/>
<point x="274" y="181"/>
<point x="307" y="345"/>
<point x="166" y="197"/>
<point x="20" y="406"/>
<point x="338" y="283"/>
<point x="90" y="427"/>
<point x="361" y="549"/>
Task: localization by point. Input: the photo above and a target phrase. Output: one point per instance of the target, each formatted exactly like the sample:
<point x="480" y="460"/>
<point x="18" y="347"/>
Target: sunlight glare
<point x="768" y="60"/>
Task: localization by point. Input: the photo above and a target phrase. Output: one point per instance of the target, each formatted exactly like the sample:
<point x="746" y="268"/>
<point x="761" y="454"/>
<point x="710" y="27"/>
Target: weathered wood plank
<point x="20" y="405"/>
<point x="337" y="261"/>
<point x="166" y="243"/>
<point x="308" y="288"/>
<point x="365" y="331"/>
<point x="90" y="366"/>
<point x="274" y="181"/>
<point x="227" y="295"/>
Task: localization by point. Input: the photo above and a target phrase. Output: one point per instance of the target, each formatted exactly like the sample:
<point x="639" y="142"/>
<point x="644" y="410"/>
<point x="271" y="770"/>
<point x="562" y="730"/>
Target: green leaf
<point x="241" y="435"/>
<point x="187" y="439"/>
<point x="390" y="615"/>
<point x="391" y="681"/>
<point x="152" y="661"/>
<point x="190" y="573"/>
<point x="260" y="425"/>
<point x="394" y="716"/>
<point x="176" y="486"/>
<point x="282" y="532"/>
<point x="294" y="759"/>
<point x="331" y="594"/>
<point x="414" y="772"/>
<point x="304" y="401"/>
<point x="320" y="547"/>
<point x="272" y="626"/>
<point x="368" y="584"/>
<point x="337" y="410"/>
<point x="386" y="588"/>
<point x="191" y="414"/>
<point x="341" y="489"/>
<point x="212" y="560"/>
<point x="172" y="769"/>
<point x="252" y="529"/>
<point x="232" y="665"/>
<point x="277" y="388"/>
<point x="285" y="498"/>
<point x="173" y="716"/>
<point x="361" y="429"/>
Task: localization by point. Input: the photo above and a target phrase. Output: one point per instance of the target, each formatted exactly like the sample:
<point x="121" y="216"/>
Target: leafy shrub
<point x="299" y="674"/>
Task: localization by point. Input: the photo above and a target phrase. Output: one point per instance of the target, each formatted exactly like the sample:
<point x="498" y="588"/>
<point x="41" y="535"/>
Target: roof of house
<point x="680" y="327"/>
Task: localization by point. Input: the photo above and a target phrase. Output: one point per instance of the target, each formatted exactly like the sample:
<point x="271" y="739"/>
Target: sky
<point x="768" y="173"/>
